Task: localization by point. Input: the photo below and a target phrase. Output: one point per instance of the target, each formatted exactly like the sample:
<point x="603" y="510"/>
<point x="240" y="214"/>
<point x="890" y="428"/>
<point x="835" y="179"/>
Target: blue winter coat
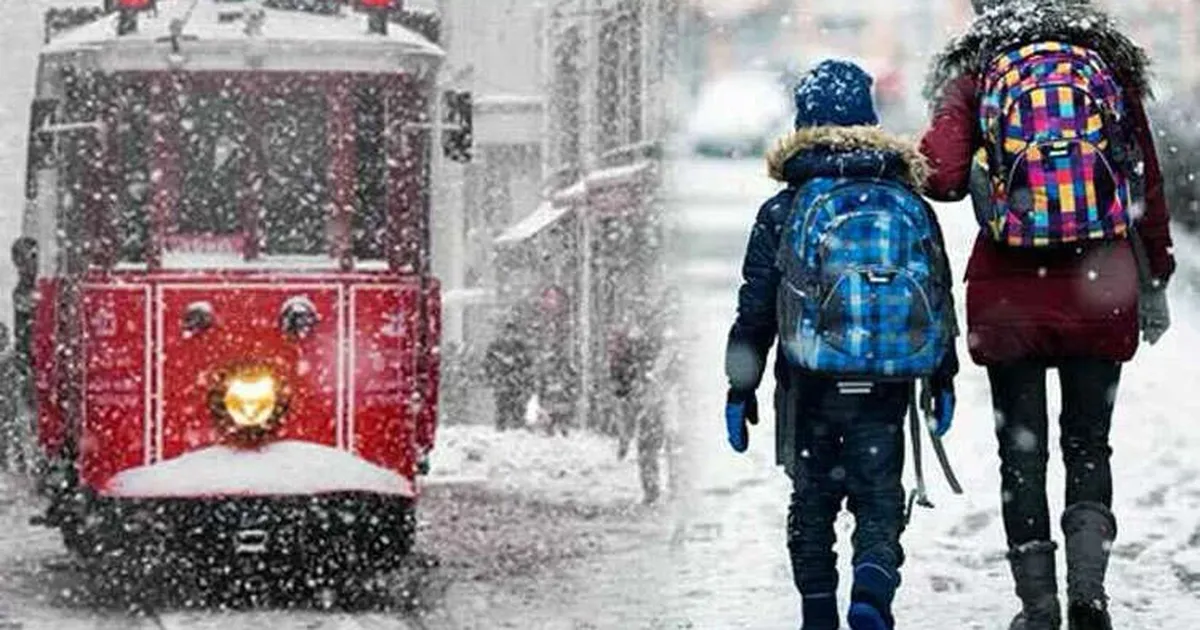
<point x="804" y="155"/>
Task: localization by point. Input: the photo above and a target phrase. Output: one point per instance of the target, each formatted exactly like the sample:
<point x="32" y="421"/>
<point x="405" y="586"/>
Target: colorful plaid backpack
<point x="865" y="288"/>
<point x="1056" y="149"/>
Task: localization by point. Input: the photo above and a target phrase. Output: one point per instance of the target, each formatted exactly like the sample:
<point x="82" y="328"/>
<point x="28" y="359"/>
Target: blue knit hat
<point x="835" y="93"/>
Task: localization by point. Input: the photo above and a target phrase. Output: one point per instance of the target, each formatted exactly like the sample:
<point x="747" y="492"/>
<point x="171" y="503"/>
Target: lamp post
<point x="379" y="13"/>
<point x="127" y="11"/>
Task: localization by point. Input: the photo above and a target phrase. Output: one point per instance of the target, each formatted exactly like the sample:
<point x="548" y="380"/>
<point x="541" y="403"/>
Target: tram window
<point x="370" y="212"/>
<point x="133" y="194"/>
<point x="214" y="161"/>
<point x="296" y="189"/>
<point x="81" y="172"/>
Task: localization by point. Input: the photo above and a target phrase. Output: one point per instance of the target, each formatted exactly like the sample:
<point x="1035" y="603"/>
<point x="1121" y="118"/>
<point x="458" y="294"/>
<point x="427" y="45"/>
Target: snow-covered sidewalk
<point x="732" y="570"/>
<point x="579" y="468"/>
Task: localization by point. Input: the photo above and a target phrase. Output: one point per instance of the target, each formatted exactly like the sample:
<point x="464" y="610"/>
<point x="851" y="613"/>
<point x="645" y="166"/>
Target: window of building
<point x="608" y="88"/>
<point x="633" y="77"/>
<point x="567" y="102"/>
<point x="619" y="81"/>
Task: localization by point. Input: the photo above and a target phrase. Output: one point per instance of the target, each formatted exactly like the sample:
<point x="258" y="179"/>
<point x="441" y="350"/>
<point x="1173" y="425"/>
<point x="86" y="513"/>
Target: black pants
<point x="510" y="408"/>
<point x="1089" y="389"/>
<point x="848" y="446"/>
<point x="641" y="418"/>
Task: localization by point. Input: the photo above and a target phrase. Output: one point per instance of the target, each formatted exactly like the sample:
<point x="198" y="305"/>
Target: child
<point x="840" y="406"/>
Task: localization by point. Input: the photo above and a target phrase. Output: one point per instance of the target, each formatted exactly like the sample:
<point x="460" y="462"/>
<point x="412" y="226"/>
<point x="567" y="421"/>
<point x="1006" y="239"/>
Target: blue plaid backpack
<point x="865" y="284"/>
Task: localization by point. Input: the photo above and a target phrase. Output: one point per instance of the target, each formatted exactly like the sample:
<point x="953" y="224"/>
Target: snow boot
<point x="820" y="612"/>
<point x="864" y="616"/>
<point x="1090" y="529"/>
<point x="1037" y="586"/>
<point x="1083" y="616"/>
<point x="871" y="597"/>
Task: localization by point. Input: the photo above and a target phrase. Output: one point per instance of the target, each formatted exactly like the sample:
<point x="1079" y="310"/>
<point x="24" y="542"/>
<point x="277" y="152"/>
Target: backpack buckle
<point x="879" y="276"/>
<point x="1059" y="152"/>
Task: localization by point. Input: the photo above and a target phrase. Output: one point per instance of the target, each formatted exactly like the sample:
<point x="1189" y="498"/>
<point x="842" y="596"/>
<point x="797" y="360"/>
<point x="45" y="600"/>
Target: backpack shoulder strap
<point x="919" y="494"/>
<point x="1141" y="256"/>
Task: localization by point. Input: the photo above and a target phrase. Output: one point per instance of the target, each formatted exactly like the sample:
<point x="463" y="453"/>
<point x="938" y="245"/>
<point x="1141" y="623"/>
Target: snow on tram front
<point x="232" y="329"/>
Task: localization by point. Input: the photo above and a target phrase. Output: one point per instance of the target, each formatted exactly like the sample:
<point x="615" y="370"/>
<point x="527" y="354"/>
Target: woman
<point x="1074" y="308"/>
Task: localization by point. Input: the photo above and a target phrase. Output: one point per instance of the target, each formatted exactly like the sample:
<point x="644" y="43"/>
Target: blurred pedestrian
<point x="25" y="262"/>
<point x="632" y="364"/>
<point x="10" y="433"/>
<point x="16" y="359"/>
<point x="555" y="363"/>
<point x="508" y="365"/>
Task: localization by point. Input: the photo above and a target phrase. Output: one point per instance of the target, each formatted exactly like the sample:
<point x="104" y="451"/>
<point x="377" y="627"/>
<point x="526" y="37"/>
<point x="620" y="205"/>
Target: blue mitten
<point x="939" y="395"/>
<point x="943" y="410"/>
<point x="740" y="407"/>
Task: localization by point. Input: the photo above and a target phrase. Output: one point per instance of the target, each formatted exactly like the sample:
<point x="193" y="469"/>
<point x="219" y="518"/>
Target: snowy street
<point x="535" y="281"/>
<point x="499" y="515"/>
<point x="538" y="532"/>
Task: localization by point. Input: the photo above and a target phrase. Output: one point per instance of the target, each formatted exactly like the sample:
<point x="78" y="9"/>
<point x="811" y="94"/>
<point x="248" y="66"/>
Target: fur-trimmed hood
<point x="846" y="151"/>
<point x="1017" y="22"/>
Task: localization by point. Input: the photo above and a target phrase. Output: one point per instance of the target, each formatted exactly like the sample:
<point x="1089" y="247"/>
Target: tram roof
<point x="203" y="25"/>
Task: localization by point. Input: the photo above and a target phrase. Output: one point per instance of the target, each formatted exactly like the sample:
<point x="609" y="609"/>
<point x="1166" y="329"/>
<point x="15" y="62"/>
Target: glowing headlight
<point x="248" y="402"/>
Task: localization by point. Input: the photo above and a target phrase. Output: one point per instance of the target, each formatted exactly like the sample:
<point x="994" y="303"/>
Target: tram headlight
<point x="248" y="402"/>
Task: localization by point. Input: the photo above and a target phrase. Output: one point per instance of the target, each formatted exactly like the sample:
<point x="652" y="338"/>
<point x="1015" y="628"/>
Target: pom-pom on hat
<point x="835" y="93"/>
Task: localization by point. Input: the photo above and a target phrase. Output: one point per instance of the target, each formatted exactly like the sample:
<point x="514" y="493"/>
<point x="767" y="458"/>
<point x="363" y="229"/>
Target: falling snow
<point x="530" y="343"/>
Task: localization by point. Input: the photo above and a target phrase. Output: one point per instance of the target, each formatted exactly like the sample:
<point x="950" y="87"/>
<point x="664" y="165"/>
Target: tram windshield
<point x="226" y="170"/>
<point x="250" y="177"/>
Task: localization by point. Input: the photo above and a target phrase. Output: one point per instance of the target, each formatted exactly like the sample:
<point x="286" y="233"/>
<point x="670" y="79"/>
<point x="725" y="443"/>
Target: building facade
<point x="609" y="71"/>
<point x="570" y="123"/>
<point x="493" y="52"/>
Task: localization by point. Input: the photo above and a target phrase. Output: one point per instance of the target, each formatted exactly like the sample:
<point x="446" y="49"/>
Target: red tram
<point x="234" y="337"/>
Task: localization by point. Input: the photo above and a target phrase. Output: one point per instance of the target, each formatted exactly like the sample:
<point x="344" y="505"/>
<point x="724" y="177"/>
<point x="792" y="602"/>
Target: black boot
<point x="820" y="612"/>
<point x="1037" y="586"/>
<point x="1090" y="530"/>
<point x="1083" y="616"/>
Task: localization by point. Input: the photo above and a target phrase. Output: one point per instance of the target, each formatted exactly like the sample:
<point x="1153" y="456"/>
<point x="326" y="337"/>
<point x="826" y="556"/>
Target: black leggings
<point x="1089" y="388"/>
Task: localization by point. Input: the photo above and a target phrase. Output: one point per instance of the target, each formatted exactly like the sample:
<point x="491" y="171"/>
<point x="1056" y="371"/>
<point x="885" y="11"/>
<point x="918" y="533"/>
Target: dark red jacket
<point x="1034" y="304"/>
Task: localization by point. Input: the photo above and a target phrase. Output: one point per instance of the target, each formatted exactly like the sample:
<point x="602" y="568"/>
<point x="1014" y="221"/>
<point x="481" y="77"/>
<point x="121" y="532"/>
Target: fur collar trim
<point x="1018" y="22"/>
<point x="848" y="139"/>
